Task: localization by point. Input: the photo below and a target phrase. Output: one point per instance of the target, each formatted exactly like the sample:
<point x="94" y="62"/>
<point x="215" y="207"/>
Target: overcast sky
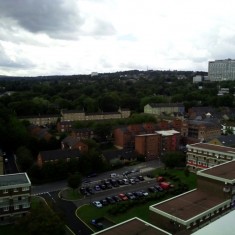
<point x="51" y="37"/>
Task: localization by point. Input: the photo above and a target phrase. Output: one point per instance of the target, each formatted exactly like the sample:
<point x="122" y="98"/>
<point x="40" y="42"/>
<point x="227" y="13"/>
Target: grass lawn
<point x="70" y="194"/>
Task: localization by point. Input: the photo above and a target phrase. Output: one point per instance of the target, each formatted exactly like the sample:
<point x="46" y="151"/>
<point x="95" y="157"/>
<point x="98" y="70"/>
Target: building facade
<point x="76" y="115"/>
<point x="148" y="145"/>
<point x="163" y="108"/>
<point x="221" y="70"/>
<point x="15" y="196"/>
<point x="202" y="155"/>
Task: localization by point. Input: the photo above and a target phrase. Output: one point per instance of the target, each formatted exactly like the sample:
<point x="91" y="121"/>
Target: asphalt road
<point x="67" y="210"/>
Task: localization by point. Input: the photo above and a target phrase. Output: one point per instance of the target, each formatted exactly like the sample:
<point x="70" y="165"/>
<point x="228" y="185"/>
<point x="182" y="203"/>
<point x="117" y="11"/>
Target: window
<point x="26" y="205"/>
<point x="6" y="208"/>
<point x="25" y="189"/>
<point x="16" y="207"/>
<point x="5" y="191"/>
<point x="15" y="190"/>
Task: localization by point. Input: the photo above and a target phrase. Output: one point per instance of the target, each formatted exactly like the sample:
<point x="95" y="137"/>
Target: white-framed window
<point x="16" y="207"/>
<point x="25" y="189"/>
<point x="15" y="190"/>
<point x="5" y="190"/>
<point x="26" y="205"/>
<point x="6" y="208"/>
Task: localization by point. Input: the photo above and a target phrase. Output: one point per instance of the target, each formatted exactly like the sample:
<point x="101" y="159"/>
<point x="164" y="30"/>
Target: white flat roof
<point x="167" y="132"/>
<point x="224" y="225"/>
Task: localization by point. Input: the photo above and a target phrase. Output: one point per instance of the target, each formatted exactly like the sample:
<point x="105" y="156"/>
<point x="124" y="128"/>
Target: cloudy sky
<point x="50" y="37"/>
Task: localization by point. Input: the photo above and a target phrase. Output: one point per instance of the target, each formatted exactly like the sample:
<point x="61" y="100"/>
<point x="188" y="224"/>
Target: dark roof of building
<point x="227" y="140"/>
<point x="59" y="154"/>
<point x="102" y="113"/>
<point x="40" y="116"/>
<point x="14" y="179"/>
<point x="122" y="153"/>
<point x="205" y="123"/>
<point x="157" y="105"/>
<point x="224" y="171"/>
<point x="70" y="140"/>
<point x="188" y="205"/>
<point x="82" y="130"/>
<point x="66" y="122"/>
<point x="133" y="226"/>
<point x="72" y="111"/>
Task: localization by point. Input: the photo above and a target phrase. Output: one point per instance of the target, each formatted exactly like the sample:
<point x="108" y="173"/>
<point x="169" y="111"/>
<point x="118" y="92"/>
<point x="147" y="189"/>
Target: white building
<point x="221" y="70"/>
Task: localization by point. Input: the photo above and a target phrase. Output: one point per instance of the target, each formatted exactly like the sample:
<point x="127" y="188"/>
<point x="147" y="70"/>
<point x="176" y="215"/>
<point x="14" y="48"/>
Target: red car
<point x="123" y="196"/>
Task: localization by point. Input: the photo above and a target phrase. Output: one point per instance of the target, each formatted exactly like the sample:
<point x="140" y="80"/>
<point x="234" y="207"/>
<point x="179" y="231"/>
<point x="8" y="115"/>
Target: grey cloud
<point x="7" y="62"/>
<point x="102" y="28"/>
<point x="57" y="18"/>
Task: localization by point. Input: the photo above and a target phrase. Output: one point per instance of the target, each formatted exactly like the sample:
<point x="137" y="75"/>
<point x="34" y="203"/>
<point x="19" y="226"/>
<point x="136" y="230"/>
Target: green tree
<point x="41" y="220"/>
<point x="174" y="159"/>
<point x="74" y="180"/>
<point x="24" y="158"/>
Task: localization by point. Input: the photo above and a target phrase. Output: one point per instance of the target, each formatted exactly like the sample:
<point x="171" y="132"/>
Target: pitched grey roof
<point x="59" y="154"/>
<point x="156" y="105"/>
<point x="227" y="140"/>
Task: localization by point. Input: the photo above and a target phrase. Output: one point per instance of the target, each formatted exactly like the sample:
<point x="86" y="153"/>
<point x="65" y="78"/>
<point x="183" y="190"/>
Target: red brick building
<point x="124" y="137"/>
<point x="148" y="145"/>
<point x="155" y="144"/>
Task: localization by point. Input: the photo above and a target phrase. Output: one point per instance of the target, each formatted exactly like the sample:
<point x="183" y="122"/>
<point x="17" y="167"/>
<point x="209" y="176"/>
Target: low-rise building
<point x="71" y="142"/>
<point x="202" y="155"/>
<point x="15" y="196"/>
<point x="56" y="155"/>
<point x="77" y="115"/>
<point x="188" y="212"/>
<point x="158" y="109"/>
<point x="148" y="145"/>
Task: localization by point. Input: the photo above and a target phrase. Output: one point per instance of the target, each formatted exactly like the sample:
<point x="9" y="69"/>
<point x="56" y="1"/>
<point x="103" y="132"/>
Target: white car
<point x="145" y="193"/>
<point x="97" y="204"/>
<point x="113" y="175"/>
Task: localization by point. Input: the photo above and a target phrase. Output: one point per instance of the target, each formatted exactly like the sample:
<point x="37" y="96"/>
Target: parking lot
<point x="118" y="188"/>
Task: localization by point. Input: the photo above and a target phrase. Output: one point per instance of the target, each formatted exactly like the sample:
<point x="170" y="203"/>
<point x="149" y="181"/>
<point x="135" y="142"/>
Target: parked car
<point x="138" y="194"/>
<point x="114" y="183"/>
<point x="97" y="188"/>
<point x="126" y="173"/>
<point x="116" y="198"/>
<point x="159" y="188"/>
<point x="130" y="196"/>
<point x="121" y="182"/>
<point x="123" y="196"/>
<point x="97" y="223"/>
<point x="152" y="189"/>
<point x="102" y="186"/>
<point x="125" y="181"/>
<point x="110" y="200"/>
<point x="132" y="181"/>
<point x="97" y="204"/>
<point x="145" y="193"/>
<point x="83" y="191"/>
<point x="135" y="170"/>
<point x="113" y="175"/>
<point x="108" y="185"/>
<point x="104" y="202"/>
<point x="140" y="177"/>
<point x="90" y="190"/>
